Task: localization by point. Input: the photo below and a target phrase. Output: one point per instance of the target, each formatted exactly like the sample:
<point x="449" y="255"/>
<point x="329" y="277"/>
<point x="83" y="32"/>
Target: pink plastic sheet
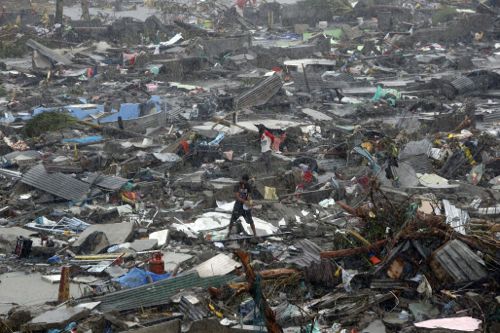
<point x="467" y="324"/>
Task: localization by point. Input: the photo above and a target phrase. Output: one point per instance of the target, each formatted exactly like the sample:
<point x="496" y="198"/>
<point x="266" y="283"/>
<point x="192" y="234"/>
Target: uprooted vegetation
<point x="48" y="122"/>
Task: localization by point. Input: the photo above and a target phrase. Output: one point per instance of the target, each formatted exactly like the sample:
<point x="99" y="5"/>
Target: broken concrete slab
<point x="57" y="318"/>
<point x="173" y="259"/>
<point x="316" y="115"/>
<point x="140" y="245"/>
<point x="8" y="238"/>
<point x="115" y="233"/>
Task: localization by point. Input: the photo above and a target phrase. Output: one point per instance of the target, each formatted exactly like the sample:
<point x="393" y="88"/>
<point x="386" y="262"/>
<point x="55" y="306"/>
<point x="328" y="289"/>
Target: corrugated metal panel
<point x="58" y="184"/>
<point x="493" y="116"/>
<point x="463" y="84"/>
<point x="458" y="260"/>
<point x="456" y="217"/>
<point x="310" y="252"/>
<point x="260" y="93"/>
<point x="52" y="168"/>
<point x="105" y="181"/>
<point x="493" y="210"/>
<point x="157" y="293"/>
<point x="28" y="153"/>
<point x="190" y="310"/>
<point x="315" y="82"/>
<point x="10" y="173"/>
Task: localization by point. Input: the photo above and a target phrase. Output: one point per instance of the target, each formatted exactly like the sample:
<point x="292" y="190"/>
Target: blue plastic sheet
<point x="84" y="140"/>
<point x="126" y="111"/>
<point x="137" y="277"/>
<point x="217" y="140"/>
<point x="54" y="260"/>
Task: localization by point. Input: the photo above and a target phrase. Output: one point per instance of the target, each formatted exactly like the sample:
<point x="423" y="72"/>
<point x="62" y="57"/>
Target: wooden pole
<point x="63" y="295"/>
<point x="354" y="251"/>
<point x="256" y="292"/>
<point x="85" y="10"/>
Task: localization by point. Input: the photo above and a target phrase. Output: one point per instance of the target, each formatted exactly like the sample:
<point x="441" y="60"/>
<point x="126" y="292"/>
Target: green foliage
<point x="443" y="15"/>
<point x="13" y="48"/>
<point x="48" y="122"/>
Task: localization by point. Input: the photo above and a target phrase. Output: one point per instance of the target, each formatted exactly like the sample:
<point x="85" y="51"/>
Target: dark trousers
<point x="266" y="158"/>
<point x="237" y="212"/>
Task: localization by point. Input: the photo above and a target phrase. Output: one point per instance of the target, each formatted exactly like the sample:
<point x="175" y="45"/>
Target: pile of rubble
<point x="317" y="166"/>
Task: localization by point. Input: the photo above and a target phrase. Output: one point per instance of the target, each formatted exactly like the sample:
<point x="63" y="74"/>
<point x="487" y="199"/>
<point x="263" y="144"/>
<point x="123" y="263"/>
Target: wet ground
<point x="28" y="289"/>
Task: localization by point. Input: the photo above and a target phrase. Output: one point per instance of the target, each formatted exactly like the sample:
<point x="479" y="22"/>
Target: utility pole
<point x="59" y="11"/>
<point x="85" y="10"/>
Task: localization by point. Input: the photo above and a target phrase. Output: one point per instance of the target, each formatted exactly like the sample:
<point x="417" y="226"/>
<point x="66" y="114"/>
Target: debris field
<point x="310" y="166"/>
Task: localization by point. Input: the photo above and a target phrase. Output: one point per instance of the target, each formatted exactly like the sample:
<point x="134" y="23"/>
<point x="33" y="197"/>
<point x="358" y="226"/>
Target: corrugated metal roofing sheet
<point x="58" y="184"/>
<point x="316" y="82"/>
<point x="260" y="93"/>
<point x="458" y="260"/>
<point x="494" y="115"/>
<point x="310" y="253"/>
<point x="463" y="84"/>
<point x="191" y="311"/>
<point x="457" y="218"/>
<point x="157" y="293"/>
<point x="10" y="173"/>
<point x="105" y="181"/>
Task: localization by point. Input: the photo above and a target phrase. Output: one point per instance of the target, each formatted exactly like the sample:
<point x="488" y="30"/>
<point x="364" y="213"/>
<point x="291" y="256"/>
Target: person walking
<point x="243" y="205"/>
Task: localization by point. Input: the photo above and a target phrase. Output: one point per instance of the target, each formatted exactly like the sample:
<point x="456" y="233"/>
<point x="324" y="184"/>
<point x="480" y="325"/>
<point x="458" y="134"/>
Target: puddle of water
<point x="28" y="289"/>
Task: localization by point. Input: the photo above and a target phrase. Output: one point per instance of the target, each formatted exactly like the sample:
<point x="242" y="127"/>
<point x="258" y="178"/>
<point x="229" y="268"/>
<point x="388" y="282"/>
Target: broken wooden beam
<point x="255" y="290"/>
<point x="354" y="251"/>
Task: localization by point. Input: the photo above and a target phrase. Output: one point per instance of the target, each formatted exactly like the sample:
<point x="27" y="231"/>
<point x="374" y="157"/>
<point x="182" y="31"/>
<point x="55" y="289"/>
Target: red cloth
<point x="241" y="3"/>
<point x="269" y="134"/>
<point x="307" y="176"/>
<point x="185" y="146"/>
<point x="277" y="142"/>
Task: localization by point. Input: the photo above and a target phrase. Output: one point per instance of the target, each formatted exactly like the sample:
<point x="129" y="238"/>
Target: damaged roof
<point x="310" y="252"/>
<point x="107" y="182"/>
<point x="157" y="293"/>
<point x="58" y="184"/>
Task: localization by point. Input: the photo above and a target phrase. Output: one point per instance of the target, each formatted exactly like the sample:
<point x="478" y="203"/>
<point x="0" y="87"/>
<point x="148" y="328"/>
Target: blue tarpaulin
<point x="127" y="111"/>
<point x="217" y="140"/>
<point x="84" y="140"/>
<point x="137" y="277"/>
